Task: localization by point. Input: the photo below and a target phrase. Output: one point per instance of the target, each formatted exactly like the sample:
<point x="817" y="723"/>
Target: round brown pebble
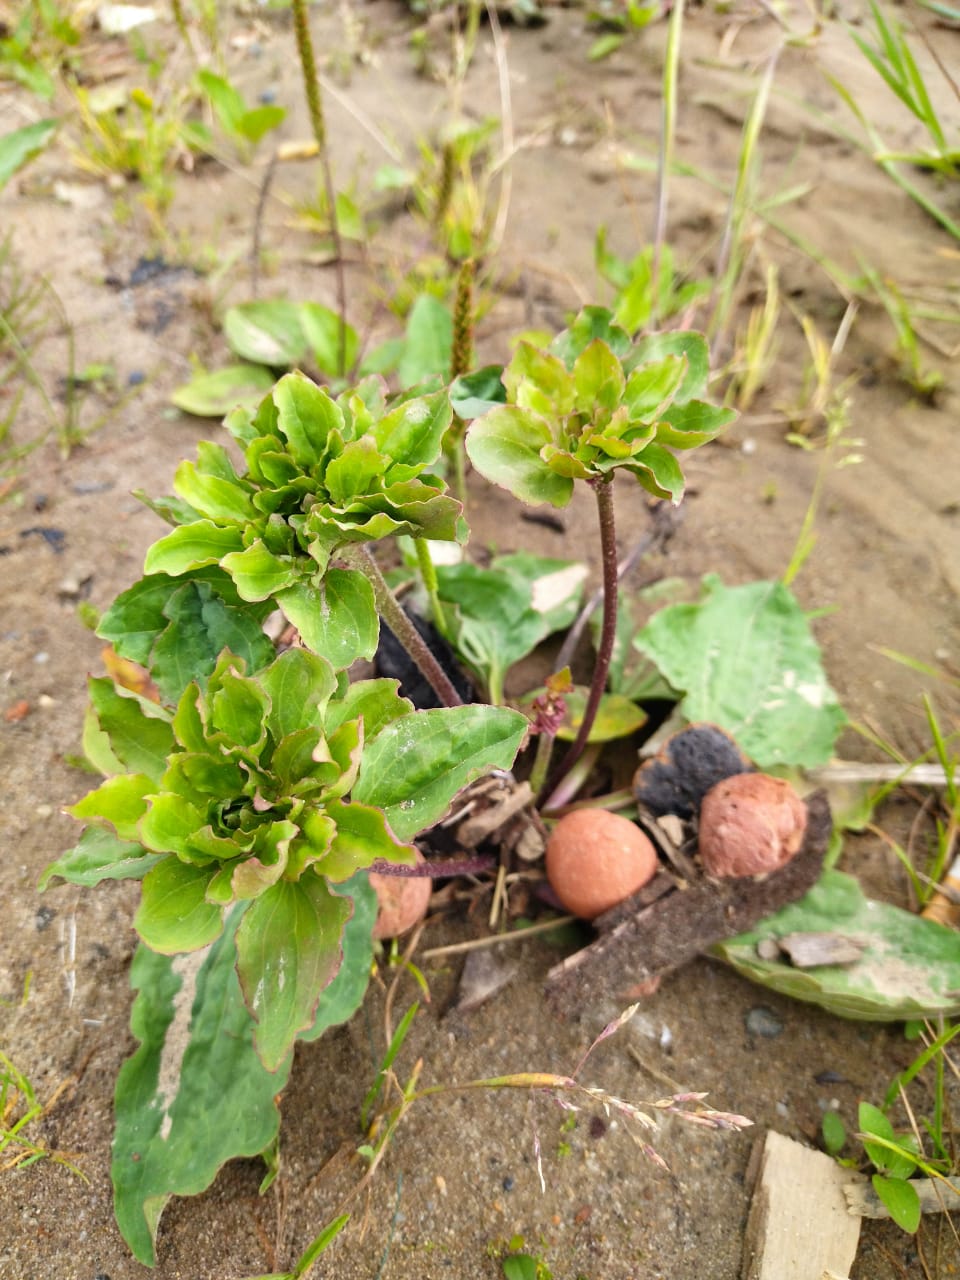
<point x="595" y="859"/>
<point x="750" y="824"/>
<point x="403" y="901"/>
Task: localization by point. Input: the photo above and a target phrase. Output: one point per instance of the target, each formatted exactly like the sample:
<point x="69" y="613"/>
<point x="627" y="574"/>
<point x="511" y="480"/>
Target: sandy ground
<point x="461" y="1178"/>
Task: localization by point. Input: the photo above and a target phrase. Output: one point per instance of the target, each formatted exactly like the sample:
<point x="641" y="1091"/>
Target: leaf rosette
<point x="269" y="790"/>
<point x="321" y="474"/>
<point x="594" y="402"/>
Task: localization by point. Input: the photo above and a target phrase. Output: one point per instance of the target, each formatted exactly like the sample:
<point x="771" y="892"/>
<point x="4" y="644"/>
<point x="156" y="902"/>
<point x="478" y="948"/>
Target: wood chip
<point x="937" y="1195"/>
<point x="799" y="1227"/>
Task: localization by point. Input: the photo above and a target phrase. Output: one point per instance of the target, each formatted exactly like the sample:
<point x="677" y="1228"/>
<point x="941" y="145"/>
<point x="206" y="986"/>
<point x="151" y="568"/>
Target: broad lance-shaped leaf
<point x="191" y="546"/>
<point x="195" y="1093"/>
<point x="418" y="763"/>
<point x="504" y="446"/>
<point x="140" y="733"/>
<point x="338" y="618"/>
<point x="174" y="914"/>
<point x="288" y="950"/>
<point x="745" y="659"/>
<point x="99" y="855"/>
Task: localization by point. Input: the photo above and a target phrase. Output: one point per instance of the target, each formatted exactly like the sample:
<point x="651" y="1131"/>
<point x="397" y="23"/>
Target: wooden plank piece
<point x="936" y="1195"/>
<point x="799" y="1227"/>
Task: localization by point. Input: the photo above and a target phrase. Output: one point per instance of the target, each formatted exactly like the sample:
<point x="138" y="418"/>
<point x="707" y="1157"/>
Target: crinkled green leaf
<point x="504" y="446"/>
<point x="598" y="378"/>
<point x="121" y="801"/>
<point x="99" y="855"/>
<point x="191" y="546"/>
<point x="337" y="619"/>
<point x="194" y="1094"/>
<point x="362" y="838"/>
<point x="140" y="732"/>
<point x="658" y="472"/>
<point x="686" y="426"/>
<point x="745" y="659"/>
<point x="375" y="702"/>
<point x="417" y="764"/>
<point x="678" y="342"/>
<point x="213" y="496"/>
<point x="174" y="914"/>
<point x="257" y="573"/>
<point x="413" y="432"/>
<point x="307" y="415"/>
<point x="288" y="950"/>
<point x="299" y="685"/>
<point x="652" y="386"/>
<point x="589" y="325"/>
<point x="909" y="966"/>
<point x="266" y="332"/>
<point x="344" y="995"/>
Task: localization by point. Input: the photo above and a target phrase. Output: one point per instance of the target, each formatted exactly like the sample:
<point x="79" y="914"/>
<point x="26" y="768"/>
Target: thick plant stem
<point x="608" y="550"/>
<point x="428" y="572"/>
<point x="311" y="86"/>
<point x="358" y="557"/>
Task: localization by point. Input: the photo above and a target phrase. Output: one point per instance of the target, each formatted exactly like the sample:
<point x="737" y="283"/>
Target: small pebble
<point x="46" y="701"/>
<point x="762" y="1021"/>
<point x="507" y="1183"/>
<point x="43" y="917"/>
<point x="268" y="97"/>
<point x="830" y="1077"/>
<point x="44" y="811"/>
<point x="782" y="1110"/>
<point x="136" y="378"/>
<point x="41" y="658"/>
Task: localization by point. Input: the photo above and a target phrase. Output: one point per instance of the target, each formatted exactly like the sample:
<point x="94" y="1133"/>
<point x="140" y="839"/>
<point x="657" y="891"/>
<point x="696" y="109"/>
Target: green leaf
<point x="658" y="472"/>
<point x="288" y="950"/>
<point x="224" y="98"/>
<point x="658" y="346"/>
<point x="375" y="702"/>
<point x="413" y="432"/>
<point x="418" y="763"/>
<point x="901" y="1199"/>
<point x="324" y="333"/>
<point x="429" y="342"/>
<point x="685" y="426"/>
<point x="307" y="415"/>
<point x="873" y="1123"/>
<point x="504" y="446"/>
<point x="213" y="496"/>
<point x="746" y="660"/>
<point x="195" y="1073"/>
<point x="174" y="914"/>
<point x="909" y="966"/>
<point x="590" y="324"/>
<point x="344" y="994"/>
<point x="258" y="573"/>
<point x="651" y="387"/>
<point x="121" y="801"/>
<point x="834" y="1133"/>
<point x="337" y="619"/>
<point x="258" y="121"/>
<point x="140" y="732"/>
<point x="266" y="332"/>
<point x="617" y="716"/>
<point x="201" y="626"/>
<point x="520" y="1266"/>
<point x="537" y="380"/>
<point x="21" y="145"/>
<point x="472" y="394"/>
<point x="99" y="855"/>
<point x="599" y="381"/>
<point x="299" y="684"/>
<point x="192" y="546"/>
<point x="362" y="838"/>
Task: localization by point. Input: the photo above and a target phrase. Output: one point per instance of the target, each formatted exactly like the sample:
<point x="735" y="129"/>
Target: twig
<point x="481" y="944"/>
